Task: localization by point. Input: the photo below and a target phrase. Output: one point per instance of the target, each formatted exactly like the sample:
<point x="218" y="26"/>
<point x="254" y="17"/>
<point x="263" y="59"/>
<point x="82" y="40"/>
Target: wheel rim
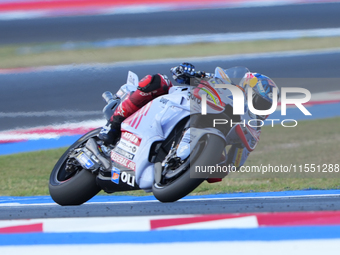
<point x="196" y="153"/>
<point x="61" y="175"/>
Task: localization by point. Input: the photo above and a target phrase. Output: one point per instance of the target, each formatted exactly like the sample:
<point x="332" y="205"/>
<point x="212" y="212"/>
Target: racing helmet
<point x="262" y="86"/>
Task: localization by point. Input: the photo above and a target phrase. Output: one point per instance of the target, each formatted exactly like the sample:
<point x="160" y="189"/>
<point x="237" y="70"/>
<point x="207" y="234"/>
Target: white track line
<point x="282" y="247"/>
<point x="187" y="39"/>
<point x="4" y="204"/>
<point x="69" y="113"/>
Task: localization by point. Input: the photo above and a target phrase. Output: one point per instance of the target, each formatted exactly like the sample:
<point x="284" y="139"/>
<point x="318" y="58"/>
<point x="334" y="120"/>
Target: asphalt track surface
<point x="66" y="92"/>
<point x="94" y="28"/>
<point x="207" y="206"/>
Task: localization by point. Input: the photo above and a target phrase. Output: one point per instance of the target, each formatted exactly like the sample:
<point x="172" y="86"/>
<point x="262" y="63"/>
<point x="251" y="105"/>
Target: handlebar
<point x="201" y="74"/>
<point x="108" y="97"/>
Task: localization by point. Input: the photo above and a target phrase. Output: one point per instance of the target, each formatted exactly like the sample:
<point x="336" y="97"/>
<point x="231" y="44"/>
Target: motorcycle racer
<point x="152" y="86"/>
<point x="262" y="98"/>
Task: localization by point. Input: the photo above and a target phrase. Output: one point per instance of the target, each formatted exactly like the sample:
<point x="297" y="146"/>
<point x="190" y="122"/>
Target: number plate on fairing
<point x="85" y="161"/>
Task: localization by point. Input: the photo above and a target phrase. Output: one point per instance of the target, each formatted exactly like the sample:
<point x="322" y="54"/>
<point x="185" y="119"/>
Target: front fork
<point x="178" y="158"/>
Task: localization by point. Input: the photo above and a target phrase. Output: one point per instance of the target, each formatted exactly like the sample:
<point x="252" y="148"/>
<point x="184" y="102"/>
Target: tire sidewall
<point x="183" y="185"/>
<point x="79" y="188"/>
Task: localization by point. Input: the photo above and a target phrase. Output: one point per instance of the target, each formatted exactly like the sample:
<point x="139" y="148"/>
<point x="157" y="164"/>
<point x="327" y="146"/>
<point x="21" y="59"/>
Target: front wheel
<point x="76" y="187"/>
<point x="183" y="185"/>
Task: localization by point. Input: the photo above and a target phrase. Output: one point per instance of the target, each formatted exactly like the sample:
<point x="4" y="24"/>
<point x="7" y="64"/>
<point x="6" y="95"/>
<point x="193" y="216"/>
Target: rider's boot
<point x="110" y="134"/>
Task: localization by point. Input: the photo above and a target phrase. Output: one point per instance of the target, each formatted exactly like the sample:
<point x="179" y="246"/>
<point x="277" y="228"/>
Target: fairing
<point x="151" y="123"/>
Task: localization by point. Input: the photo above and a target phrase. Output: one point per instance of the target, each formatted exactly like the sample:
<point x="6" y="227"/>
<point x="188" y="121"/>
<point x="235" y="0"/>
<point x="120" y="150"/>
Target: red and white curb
<point x="29" y="9"/>
<point x="181" y="222"/>
<point x="116" y="224"/>
<point x="330" y="97"/>
<point x="56" y="131"/>
<point x="49" y="132"/>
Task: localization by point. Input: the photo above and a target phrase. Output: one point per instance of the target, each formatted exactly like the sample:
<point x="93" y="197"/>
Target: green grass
<point x="27" y="174"/>
<point x="311" y="142"/>
<point x="315" y="141"/>
<point x="9" y="57"/>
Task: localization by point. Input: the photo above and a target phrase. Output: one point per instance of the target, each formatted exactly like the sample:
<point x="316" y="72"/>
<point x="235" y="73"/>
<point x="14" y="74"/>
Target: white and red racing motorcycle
<point x="160" y="146"/>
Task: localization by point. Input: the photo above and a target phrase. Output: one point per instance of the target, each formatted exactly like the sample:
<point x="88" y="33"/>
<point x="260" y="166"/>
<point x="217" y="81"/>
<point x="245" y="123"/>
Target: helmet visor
<point x="260" y="103"/>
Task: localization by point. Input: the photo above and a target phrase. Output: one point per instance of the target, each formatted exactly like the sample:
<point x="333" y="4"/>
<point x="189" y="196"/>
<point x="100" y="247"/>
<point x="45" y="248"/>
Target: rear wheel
<point x="73" y="187"/>
<point x="210" y="152"/>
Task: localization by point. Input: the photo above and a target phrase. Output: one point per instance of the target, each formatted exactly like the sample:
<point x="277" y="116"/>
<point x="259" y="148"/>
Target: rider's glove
<point x="183" y="73"/>
<point x="208" y="75"/>
<point x="109" y="135"/>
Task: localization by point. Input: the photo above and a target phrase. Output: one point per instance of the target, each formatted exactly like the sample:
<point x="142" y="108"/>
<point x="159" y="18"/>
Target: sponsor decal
<point x="120" y="93"/>
<point x="183" y="148"/>
<point x="212" y="93"/>
<point x="135" y="119"/>
<point x="124" y="153"/>
<point x="128" y="178"/>
<point x="238" y="157"/>
<point x="132" y="80"/>
<point x="191" y="96"/>
<point x="188" y="137"/>
<point x="249" y="79"/>
<point x="84" y="160"/>
<point x="123" y="161"/>
<point x="261" y="89"/>
<point x="271" y="83"/>
<point x="253" y="82"/>
<point x="223" y="74"/>
<point x="121" y="111"/>
<point x="132" y="138"/>
<point x="115" y="173"/>
<point x="127" y="146"/>
<point x="210" y="97"/>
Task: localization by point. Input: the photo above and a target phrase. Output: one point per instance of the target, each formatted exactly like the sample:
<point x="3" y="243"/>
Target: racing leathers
<point x="150" y="87"/>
